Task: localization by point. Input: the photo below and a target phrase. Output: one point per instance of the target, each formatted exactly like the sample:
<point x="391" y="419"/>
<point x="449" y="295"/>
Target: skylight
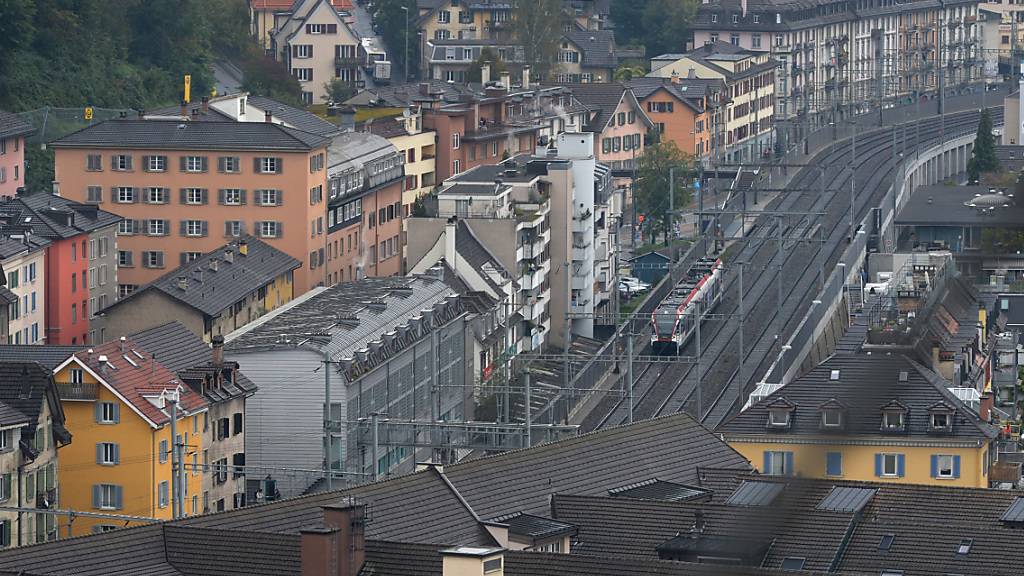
<point x="886" y="542"/>
<point x="793" y="563"/>
<point x="833" y="375"/>
<point x="965" y="547"/>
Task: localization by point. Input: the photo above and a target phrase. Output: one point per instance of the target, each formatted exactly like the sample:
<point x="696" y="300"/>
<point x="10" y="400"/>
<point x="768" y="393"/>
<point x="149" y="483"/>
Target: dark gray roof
<point x="131" y="552"/>
<point x="1011" y="157"/>
<point x="846" y="499"/>
<point x="596" y="46"/>
<point x="176" y="135"/>
<point x="655" y="489"/>
<point x="690" y="91"/>
<point x="212" y="292"/>
<point x="10" y="417"/>
<point x="599" y="98"/>
<point x="193" y="112"/>
<point x="478" y="256"/>
<point x="865" y="384"/>
<point x="534" y="527"/>
<point x="49" y="356"/>
<point x="13" y="125"/>
<point x="300" y="119"/>
<point x="25" y="386"/>
<point x="46" y="216"/>
<point x="941" y="205"/>
<point x="14" y="246"/>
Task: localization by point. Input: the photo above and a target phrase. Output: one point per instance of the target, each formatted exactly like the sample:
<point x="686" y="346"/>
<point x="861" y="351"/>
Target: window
<point x="163" y="494"/>
<point x="965" y="547"/>
<point x="757" y="19"/>
<point x="778" y="418"/>
<point x="94" y="163"/>
<point x="107" y="497"/>
<point x="124" y="258"/>
<point x="126" y="227"/>
<point x="735" y="18"/>
<point x="121" y="162"/>
<point x="269" y="197"/>
<point x="156" y="227"/>
<point x="941" y="421"/>
<point x="108" y="453"/>
<point x="755" y="39"/>
<point x="5" y="486"/>
<point x="268" y="165"/>
<point x="945" y="466"/>
<point x="125" y="194"/>
<point x="229" y="164"/>
<point x="714" y="18"/>
<point x="153" y="259"/>
<point x="302" y="50"/>
<point x="233" y="228"/>
<point x="164" y="452"/>
<point x="622" y="118"/>
<point x="156" y="196"/>
<point x="892" y="420"/>
<point x="270" y="229"/>
<point x="94" y="194"/>
<point x="778" y="463"/>
<point x="792" y="564"/>
<point x="456" y="140"/>
<point x="444" y="16"/>
<point x="834" y="464"/>
<point x="193" y="228"/>
<point x="303" y="74"/>
<point x="886" y="542"/>
<point x="193" y="196"/>
<point x="831" y="418"/>
<point x="156" y="163"/>
<point x="456" y="166"/>
<point x="889" y="465"/>
<point x="231" y="197"/>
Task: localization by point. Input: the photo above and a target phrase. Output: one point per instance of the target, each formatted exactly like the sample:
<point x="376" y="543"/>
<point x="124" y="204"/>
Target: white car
<point x="635" y="285"/>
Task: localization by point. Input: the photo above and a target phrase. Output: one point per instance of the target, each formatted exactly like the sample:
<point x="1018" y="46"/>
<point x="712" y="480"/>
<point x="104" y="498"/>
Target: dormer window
<point x="778" y="418"/>
<point x="940" y="421"/>
<point x="940" y="418"/>
<point x="833" y="415"/>
<point x="780" y="414"/>
<point x="894" y="417"/>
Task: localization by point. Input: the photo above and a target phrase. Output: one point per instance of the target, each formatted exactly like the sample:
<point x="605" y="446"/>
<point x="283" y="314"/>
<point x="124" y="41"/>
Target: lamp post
<point x="406" y="10"/>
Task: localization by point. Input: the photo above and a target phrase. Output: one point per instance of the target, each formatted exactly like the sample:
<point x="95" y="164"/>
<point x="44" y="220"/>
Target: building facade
<point x="682" y="110"/>
<point x="419" y="147"/>
<point x="13" y="131"/>
<point x="265" y="179"/>
<point x="23" y="259"/>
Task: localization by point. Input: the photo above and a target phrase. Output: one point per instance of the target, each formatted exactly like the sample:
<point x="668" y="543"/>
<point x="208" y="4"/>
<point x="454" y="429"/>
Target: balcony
<point x="348" y="61"/>
<point x="46" y="499"/>
<point x="77" y="391"/>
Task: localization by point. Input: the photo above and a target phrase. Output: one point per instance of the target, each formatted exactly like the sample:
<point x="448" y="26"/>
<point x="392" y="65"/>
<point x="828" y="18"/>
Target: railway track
<point x="669" y="388"/>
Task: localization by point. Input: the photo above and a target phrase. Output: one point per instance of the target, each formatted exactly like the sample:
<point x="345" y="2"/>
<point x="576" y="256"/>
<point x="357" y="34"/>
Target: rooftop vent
<point x="833" y="375"/>
<point x="903" y="376"/>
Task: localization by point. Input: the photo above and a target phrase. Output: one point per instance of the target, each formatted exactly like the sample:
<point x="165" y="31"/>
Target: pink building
<point x="13" y="131"/>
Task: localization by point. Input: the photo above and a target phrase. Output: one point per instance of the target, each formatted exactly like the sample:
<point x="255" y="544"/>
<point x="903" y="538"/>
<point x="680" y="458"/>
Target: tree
<point x="627" y="72"/>
<point x="652" y="187"/>
<point x="983" y="156"/>
<point x="537" y="26"/>
<point x="337" y="90"/>
<point x="390" y="19"/>
<point x="666" y="23"/>
<point x="473" y="73"/>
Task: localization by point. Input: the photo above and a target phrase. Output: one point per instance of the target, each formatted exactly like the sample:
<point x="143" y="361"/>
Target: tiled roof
<point x="25" y="386"/>
<point x="294" y="117"/>
<point x="175" y="135"/>
<point x="865" y="383"/>
<point x="535" y="527"/>
<point x="10" y="417"/>
<point x="214" y="290"/>
<point x="139" y="378"/>
<point x="193" y="112"/>
<point x="47" y="216"/>
<point x="49" y="356"/>
<point x="131" y="552"/>
<point x="286" y="5"/>
<point x="602" y="98"/>
<point x="691" y="91"/>
<point x="478" y="256"/>
<point x="597" y="47"/>
<point x="14" y="246"/>
<point x="13" y="125"/>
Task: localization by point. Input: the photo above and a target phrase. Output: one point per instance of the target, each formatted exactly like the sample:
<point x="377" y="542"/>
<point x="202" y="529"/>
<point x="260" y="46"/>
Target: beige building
<point x="23" y="257"/>
<point x="317" y="45"/>
<point x="419" y="148"/>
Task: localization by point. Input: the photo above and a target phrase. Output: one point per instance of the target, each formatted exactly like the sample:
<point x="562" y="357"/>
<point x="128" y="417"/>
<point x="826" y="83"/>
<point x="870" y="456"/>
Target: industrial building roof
<point x="942" y="205"/>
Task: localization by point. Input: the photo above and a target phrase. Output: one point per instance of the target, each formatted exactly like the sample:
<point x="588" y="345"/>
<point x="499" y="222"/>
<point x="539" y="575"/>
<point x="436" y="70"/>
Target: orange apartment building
<point x="184" y="188"/>
<point x="681" y="109"/>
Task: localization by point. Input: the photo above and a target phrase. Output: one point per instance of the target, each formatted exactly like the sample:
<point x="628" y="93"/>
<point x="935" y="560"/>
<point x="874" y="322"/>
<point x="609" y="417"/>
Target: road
<point x="227" y="77"/>
<point x="791" y="270"/>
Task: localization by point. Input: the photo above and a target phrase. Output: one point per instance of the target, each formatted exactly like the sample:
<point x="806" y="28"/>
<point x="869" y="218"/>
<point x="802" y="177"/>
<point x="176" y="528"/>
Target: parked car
<point x="635" y="284"/>
<point x="626" y="291"/>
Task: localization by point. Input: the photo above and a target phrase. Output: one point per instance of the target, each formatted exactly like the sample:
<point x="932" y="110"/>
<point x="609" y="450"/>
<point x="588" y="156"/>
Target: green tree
<point x="666" y="23"/>
<point x="473" y="73"/>
<point x="652" y="187"/>
<point x="337" y="90"/>
<point x="627" y="72"/>
<point x="390" y="18"/>
<point x="537" y="26"/>
<point x="983" y="156"/>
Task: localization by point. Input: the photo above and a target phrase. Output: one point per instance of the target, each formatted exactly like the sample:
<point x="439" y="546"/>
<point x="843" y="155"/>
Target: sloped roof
<point x="211" y="292"/>
<point x="176" y="135"/>
<point x="13" y="125"/>
<point x="601" y="98"/>
<point x="25" y="387"/>
<point x="299" y="119"/>
<point x="49" y="356"/>
<point x="45" y="215"/>
<point x="13" y="246"/>
<point x="596" y="46"/>
<point x="865" y="384"/>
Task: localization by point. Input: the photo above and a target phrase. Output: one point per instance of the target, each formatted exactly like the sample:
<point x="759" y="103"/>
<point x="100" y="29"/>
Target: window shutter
<point x="878" y="465"/>
<point x="113" y="194"/>
<point x="241" y="195"/>
<point x="145" y="163"/>
<point x="136" y="226"/>
<point x="332" y="28"/>
<point x="279" y="165"/>
<point x="113" y="161"/>
<point x="935" y="466"/>
<point x="221" y="160"/>
<point x="280" y="197"/>
<point x="7" y="527"/>
<point x="96" y="495"/>
<point x="205" y="161"/>
<point x="159" y="259"/>
<point x="182" y="196"/>
<point x="181" y="258"/>
<point x="788" y="457"/>
<point x="227" y="228"/>
<point x="241" y="227"/>
<point x="900" y="465"/>
<point x="130" y="259"/>
<point x="117" y="453"/>
<point x="118" y="497"/>
<point x="99" y="452"/>
<point x="280" y="229"/>
<point x="220" y="196"/>
<point x="237" y="423"/>
<point x="136" y="194"/>
<point x="128" y="162"/>
<point x="205" y="228"/>
<point x="117" y="407"/>
<point x="834" y="463"/>
<point x="256" y="165"/>
<point x="205" y="195"/>
<point x="167" y="228"/>
<point x="295" y="47"/>
<point x="767" y="463"/>
<point x="182" y="163"/>
<point x="98" y="412"/>
<point x="956" y="466"/>
<point x="183" y="228"/>
<point x="7" y="485"/>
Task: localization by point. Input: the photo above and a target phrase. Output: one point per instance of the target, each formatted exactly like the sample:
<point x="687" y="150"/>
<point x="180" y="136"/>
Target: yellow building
<point x="870" y="418"/>
<point x="121" y="459"/>
<point x="417" y="146"/>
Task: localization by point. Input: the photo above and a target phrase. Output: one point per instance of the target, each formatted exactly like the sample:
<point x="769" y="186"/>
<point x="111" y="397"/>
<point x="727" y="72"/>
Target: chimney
<point x="141" y="114"/>
<point x="195" y="113"/>
<point x="698" y="521"/>
<point x="218" y="351"/>
<point x="743" y="8"/>
<point x="214" y="264"/>
<point x="466" y="560"/>
<point x="485" y="73"/>
<point x="243" y="248"/>
<point x="424" y="89"/>
<point x="319" y="550"/>
<point x="184" y="108"/>
<point x="675" y="77"/>
<point x="506" y="80"/>
<point x="346" y="523"/>
<point x="449" y="241"/>
<point x="268" y="117"/>
<point x="348" y="118"/>
<point x="183" y="282"/>
<point x="691" y="73"/>
<point x="103" y="363"/>
<point x="229" y="255"/>
<point x="985" y="407"/>
<point x="526" y="77"/>
<point x="122" y="343"/>
<point x="206" y="104"/>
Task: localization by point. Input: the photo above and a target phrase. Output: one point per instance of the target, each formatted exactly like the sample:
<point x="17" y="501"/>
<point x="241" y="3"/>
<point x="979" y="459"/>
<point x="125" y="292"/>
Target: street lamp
<point x="406" y="67"/>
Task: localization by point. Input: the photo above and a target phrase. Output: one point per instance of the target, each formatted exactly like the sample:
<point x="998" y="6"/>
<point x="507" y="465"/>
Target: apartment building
<point x="585" y="56"/>
<point x="419" y="148"/>
<point x="266" y="15"/>
<point x="839" y="54"/>
<point x="213" y="295"/>
<point x="163" y="176"/>
<point x="318" y="46"/>
<point x="450" y="59"/>
<point x="32" y="431"/>
<point x="868" y="418"/>
<point x="743" y="120"/>
<point x="80" y="271"/>
<point x="459" y="19"/>
<point x="23" y="259"/>
<point x="114" y="398"/>
<point x="396" y="345"/>
<point x="13" y="131"/>
<point x="681" y="109"/>
<point x="999" y="34"/>
<point x="364" y="209"/>
<point x="202" y="367"/>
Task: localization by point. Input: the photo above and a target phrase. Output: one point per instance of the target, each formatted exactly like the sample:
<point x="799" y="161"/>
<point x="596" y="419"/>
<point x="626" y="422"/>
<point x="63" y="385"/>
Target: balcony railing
<point x="77" y="391"/>
<point x="348" y="61"/>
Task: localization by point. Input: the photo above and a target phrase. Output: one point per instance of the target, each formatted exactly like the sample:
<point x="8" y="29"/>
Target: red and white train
<point x="675" y="319"/>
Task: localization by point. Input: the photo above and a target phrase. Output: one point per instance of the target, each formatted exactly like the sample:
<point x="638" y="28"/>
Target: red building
<point x="81" y="238"/>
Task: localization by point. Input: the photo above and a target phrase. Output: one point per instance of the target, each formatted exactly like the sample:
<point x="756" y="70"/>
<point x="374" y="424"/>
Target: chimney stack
<point x="485" y="73"/>
<point x="268" y="117"/>
<point x="243" y="248"/>
<point x="985" y="407"/>
<point x="526" y="77"/>
<point x="183" y="282"/>
<point x="214" y="264"/>
<point x="122" y="343"/>
<point x="449" y="241"/>
<point x="698" y="521"/>
<point x="184" y="108"/>
<point x="319" y="548"/>
<point x="506" y="80"/>
<point x="218" y="351"/>
<point x="229" y="255"/>
<point x="206" y="104"/>
<point x="675" y="77"/>
<point x="348" y="118"/>
<point x="339" y="547"/>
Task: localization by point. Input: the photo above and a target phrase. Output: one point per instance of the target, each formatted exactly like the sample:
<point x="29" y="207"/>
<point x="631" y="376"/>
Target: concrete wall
<point x="149" y="309"/>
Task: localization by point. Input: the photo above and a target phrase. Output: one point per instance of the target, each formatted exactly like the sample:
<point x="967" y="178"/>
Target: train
<point x="674" y="320"/>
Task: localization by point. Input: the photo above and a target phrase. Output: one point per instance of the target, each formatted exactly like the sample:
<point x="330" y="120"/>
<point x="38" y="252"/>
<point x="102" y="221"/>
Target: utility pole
<point x="629" y="373"/>
<point x="406" y="10"/>
<point x="742" y="313"/>
<point x="374" y="423"/>
<point x="328" y="464"/>
<point x="172" y="396"/>
<point x="700" y="397"/>
<point x="527" y="409"/>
